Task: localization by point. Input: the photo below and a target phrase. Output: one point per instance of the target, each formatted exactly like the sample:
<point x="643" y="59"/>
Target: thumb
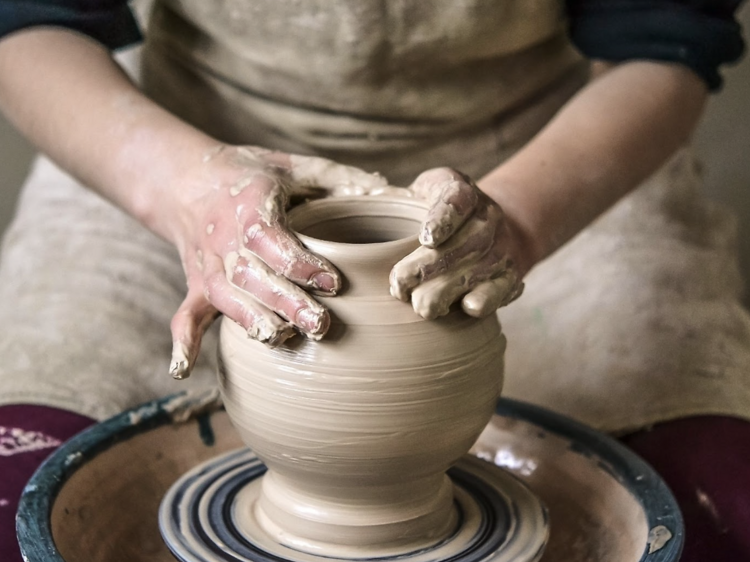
<point x="453" y="199"/>
<point x="188" y="325"/>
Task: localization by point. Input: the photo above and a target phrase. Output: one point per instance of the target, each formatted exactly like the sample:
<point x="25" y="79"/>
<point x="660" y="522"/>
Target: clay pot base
<point x="97" y="498"/>
<point x="208" y="516"/>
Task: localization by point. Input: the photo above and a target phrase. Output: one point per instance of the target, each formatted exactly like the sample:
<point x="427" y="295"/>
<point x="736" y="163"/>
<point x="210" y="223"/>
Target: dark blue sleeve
<point x="111" y="22"/>
<point x="700" y="34"/>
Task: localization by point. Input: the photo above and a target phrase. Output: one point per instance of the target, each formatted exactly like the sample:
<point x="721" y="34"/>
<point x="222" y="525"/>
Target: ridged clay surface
<point x="358" y="429"/>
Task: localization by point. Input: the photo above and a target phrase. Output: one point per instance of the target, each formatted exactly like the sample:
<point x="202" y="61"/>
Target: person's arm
<point x="604" y="142"/>
<point x="221" y="206"/>
<point x="66" y="94"/>
<point x="478" y="245"/>
<point x="664" y="56"/>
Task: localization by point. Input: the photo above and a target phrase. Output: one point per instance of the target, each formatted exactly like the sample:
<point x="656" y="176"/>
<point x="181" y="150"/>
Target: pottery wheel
<point x="206" y="516"/>
<point x="96" y="499"/>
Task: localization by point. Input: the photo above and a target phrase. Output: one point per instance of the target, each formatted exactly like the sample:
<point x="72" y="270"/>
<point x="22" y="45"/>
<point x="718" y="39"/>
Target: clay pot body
<point x="358" y="429"/>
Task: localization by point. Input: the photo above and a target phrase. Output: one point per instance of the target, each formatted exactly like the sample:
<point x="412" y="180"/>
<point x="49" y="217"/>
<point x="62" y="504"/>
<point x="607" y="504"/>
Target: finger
<point x="265" y="235"/>
<point x="188" y="325"/>
<point x="453" y="199"/>
<point x="286" y="255"/>
<point x="261" y="324"/>
<point x="312" y="171"/>
<point x="423" y="264"/>
<point x="277" y="293"/>
<point x="490" y="295"/>
<point x="407" y="273"/>
<point x="434" y="298"/>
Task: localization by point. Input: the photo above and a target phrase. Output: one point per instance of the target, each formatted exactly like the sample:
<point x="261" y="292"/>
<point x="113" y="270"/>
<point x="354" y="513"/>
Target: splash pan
<point x="97" y="498"/>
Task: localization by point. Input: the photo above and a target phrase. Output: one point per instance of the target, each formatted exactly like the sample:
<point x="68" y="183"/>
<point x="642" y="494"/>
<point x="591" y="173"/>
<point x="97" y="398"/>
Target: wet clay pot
<point x="358" y="429"/>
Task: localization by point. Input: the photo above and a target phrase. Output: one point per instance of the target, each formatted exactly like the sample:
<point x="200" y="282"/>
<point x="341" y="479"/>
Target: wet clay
<point x="359" y="428"/>
<point x="592" y="516"/>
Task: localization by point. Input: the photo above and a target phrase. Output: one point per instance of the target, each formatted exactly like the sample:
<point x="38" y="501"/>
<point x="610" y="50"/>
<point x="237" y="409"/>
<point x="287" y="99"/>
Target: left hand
<point x="469" y="251"/>
<point x="227" y="217"/>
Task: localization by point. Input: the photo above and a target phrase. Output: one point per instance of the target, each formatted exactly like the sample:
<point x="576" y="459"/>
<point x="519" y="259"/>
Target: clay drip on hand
<point x="358" y="429"/>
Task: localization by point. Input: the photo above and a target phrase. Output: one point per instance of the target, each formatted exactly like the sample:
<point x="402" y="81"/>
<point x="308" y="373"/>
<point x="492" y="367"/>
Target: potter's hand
<point x="239" y="257"/>
<point x="468" y="251"/>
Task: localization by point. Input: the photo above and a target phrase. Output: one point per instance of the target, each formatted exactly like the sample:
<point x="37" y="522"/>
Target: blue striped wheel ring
<point x="499" y="519"/>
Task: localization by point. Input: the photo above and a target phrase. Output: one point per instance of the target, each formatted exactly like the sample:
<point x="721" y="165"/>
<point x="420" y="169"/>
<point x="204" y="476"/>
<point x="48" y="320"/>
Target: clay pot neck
<point x="363" y="237"/>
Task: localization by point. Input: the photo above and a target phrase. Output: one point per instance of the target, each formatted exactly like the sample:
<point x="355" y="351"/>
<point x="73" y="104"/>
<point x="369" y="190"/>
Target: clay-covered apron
<point x="633" y="322"/>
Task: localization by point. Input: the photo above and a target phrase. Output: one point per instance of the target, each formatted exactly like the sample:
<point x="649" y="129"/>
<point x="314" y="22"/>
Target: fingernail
<point x="312" y="322"/>
<point x="179" y="368"/>
<point x="475" y="305"/>
<point x="280" y="337"/>
<point x="325" y="282"/>
<point x="398" y="292"/>
<point x="426" y="238"/>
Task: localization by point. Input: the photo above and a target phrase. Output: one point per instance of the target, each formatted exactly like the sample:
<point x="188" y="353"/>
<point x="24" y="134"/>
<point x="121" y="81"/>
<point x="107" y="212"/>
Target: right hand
<point x="240" y="259"/>
<point x="469" y="252"/>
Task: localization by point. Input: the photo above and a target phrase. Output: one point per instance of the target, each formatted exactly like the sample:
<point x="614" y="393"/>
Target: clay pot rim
<point x="340" y="207"/>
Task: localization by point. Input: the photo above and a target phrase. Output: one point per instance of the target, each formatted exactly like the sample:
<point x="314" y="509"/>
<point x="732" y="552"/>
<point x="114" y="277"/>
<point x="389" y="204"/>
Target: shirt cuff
<point x="669" y="31"/>
<point x="110" y="23"/>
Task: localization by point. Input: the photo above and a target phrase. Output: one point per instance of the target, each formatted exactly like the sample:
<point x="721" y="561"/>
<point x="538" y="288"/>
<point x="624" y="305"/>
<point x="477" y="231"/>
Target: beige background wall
<point x="723" y="142"/>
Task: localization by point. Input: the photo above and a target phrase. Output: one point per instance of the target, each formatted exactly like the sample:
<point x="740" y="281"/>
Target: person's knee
<point x="705" y="461"/>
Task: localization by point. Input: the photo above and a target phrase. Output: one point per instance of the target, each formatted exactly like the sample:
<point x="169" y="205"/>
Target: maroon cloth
<point x="704" y="460"/>
<point x="28" y="435"/>
<point x="706" y="463"/>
